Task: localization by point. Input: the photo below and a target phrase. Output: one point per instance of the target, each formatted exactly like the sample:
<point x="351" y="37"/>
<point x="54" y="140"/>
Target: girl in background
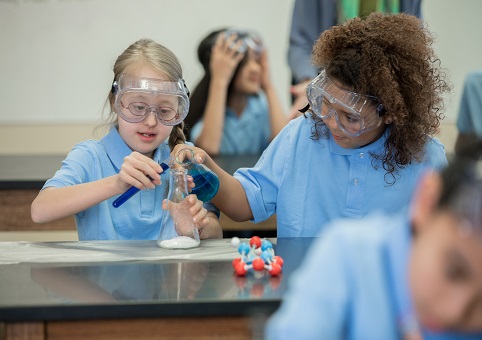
<point x="234" y="108"/>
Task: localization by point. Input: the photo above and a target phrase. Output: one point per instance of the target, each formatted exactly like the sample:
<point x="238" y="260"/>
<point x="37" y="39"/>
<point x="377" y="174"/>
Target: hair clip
<point x="306" y="108"/>
<point x="187" y="90"/>
<point x="381" y="110"/>
<point x="115" y="87"/>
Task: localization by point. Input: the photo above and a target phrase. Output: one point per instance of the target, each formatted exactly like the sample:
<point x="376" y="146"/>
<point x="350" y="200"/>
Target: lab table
<point x="136" y="290"/>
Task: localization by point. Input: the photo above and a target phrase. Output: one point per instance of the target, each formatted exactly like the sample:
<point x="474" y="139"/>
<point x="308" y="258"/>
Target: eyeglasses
<point x="354" y="113"/>
<point x="137" y="112"/>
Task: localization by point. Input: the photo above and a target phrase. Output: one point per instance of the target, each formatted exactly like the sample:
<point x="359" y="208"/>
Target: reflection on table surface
<point x="198" y="282"/>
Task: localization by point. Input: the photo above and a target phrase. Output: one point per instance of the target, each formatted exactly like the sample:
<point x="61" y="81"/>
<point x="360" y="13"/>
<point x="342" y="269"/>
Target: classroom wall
<point x="56" y="56"/>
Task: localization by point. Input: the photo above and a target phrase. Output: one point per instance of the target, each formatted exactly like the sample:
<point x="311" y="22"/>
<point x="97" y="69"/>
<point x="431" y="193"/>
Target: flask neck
<point x="178" y="188"/>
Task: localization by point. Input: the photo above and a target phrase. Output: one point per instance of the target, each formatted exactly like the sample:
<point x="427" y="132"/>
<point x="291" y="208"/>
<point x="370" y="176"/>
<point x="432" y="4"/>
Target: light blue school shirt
<point x="249" y="133"/>
<point x="139" y="218"/>
<point x="309" y="182"/>
<point x="469" y="120"/>
<point x="353" y="284"/>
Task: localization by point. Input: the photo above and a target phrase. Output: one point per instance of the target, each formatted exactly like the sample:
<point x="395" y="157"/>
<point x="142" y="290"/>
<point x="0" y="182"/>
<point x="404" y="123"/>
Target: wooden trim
<point x="24" y="331"/>
<point x="15" y="212"/>
<point x="169" y="328"/>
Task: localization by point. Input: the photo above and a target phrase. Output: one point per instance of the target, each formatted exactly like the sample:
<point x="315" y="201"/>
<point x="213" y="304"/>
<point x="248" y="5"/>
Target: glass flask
<point x="178" y="229"/>
<point x="205" y="180"/>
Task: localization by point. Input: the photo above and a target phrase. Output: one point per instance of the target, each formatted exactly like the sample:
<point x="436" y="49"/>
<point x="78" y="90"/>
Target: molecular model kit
<point x="257" y="255"/>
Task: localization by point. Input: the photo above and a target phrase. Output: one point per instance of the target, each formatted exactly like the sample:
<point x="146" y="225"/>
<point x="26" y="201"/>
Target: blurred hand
<point x="300" y="100"/>
<point x="225" y="58"/>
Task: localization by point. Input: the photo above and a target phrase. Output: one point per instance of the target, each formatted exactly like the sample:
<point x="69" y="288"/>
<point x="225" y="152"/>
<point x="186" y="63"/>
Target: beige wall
<point x="51" y="139"/>
<point x="27" y="129"/>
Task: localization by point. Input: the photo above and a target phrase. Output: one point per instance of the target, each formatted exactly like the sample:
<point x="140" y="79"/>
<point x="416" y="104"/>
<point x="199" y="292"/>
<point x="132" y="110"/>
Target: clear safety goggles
<point x="354" y="113"/>
<point x="136" y="98"/>
<point x="249" y="39"/>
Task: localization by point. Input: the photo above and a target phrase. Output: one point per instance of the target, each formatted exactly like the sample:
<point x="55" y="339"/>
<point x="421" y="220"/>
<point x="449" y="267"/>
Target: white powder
<point x="180" y="242"/>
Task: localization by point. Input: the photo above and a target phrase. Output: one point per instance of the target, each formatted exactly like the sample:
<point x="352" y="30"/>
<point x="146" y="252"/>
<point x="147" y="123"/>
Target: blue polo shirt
<point x="469" y="120"/>
<point x="139" y="218"/>
<point x="308" y="183"/>
<point x="353" y="284"/>
<point x="249" y="133"/>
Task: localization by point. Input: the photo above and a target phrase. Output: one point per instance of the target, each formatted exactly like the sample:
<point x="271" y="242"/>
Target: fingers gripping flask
<point x="205" y="180"/>
<point x="178" y="229"/>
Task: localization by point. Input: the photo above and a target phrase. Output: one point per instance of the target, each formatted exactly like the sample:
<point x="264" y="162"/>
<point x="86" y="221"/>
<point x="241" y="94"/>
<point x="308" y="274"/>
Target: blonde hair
<point x="157" y="56"/>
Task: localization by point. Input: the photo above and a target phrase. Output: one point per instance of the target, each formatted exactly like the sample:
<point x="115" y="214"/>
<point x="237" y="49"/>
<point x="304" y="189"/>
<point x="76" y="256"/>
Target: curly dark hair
<point x="389" y="57"/>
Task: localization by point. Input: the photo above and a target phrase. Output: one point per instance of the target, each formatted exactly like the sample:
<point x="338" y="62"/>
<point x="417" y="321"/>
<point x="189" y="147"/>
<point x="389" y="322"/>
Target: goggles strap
<point x="381" y="110"/>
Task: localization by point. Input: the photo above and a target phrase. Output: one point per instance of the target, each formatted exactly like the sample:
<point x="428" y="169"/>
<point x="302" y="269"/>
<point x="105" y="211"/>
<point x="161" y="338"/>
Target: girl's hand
<point x="225" y="58"/>
<point x="300" y="100"/>
<point x="199" y="154"/>
<point x="135" y="171"/>
<point x="190" y="205"/>
<point x="198" y="212"/>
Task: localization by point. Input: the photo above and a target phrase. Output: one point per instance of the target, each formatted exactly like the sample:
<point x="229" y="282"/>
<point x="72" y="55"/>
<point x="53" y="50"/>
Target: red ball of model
<point x="275" y="269"/>
<point x="279" y="260"/>
<point x="258" y="264"/>
<point x="240" y="268"/>
<point x="255" y="241"/>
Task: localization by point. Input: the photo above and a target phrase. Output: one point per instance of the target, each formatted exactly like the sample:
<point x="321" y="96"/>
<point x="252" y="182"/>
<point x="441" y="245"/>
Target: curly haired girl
<point x="390" y="58"/>
<point x="374" y="106"/>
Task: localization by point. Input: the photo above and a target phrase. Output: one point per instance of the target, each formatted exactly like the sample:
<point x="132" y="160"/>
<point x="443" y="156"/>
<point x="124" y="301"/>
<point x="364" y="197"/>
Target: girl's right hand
<point x="225" y="58"/>
<point x="135" y="171"/>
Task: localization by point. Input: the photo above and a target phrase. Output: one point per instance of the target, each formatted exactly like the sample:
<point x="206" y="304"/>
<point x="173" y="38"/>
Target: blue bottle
<point x="205" y="180"/>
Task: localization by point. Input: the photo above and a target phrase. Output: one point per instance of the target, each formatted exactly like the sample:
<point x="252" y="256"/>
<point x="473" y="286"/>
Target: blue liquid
<point x="207" y="184"/>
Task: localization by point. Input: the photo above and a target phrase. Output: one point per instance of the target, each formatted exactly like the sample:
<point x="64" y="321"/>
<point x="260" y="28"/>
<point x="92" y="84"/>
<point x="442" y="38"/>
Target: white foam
<point x="180" y="242"/>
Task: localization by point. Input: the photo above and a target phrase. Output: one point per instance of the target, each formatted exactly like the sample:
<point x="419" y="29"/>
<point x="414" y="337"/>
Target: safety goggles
<point x="249" y="39"/>
<point x="136" y="98"/>
<point x="354" y="113"/>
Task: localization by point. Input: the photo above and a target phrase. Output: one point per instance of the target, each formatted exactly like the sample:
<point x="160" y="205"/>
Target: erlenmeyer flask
<point x="205" y="180"/>
<point x="178" y="229"/>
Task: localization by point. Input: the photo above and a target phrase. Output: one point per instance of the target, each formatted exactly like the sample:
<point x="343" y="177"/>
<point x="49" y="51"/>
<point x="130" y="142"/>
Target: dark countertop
<point x="31" y="172"/>
<point x="144" y="281"/>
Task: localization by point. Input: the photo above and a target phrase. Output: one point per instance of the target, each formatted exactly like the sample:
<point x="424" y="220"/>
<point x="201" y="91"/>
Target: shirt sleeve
<point x="436" y="156"/>
<point x="316" y="303"/>
<point x="75" y="169"/>
<point x="262" y="182"/>
<point x="413" y="7"/>
<point x="309" y="19"/>
<point x="469" y="120"/>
